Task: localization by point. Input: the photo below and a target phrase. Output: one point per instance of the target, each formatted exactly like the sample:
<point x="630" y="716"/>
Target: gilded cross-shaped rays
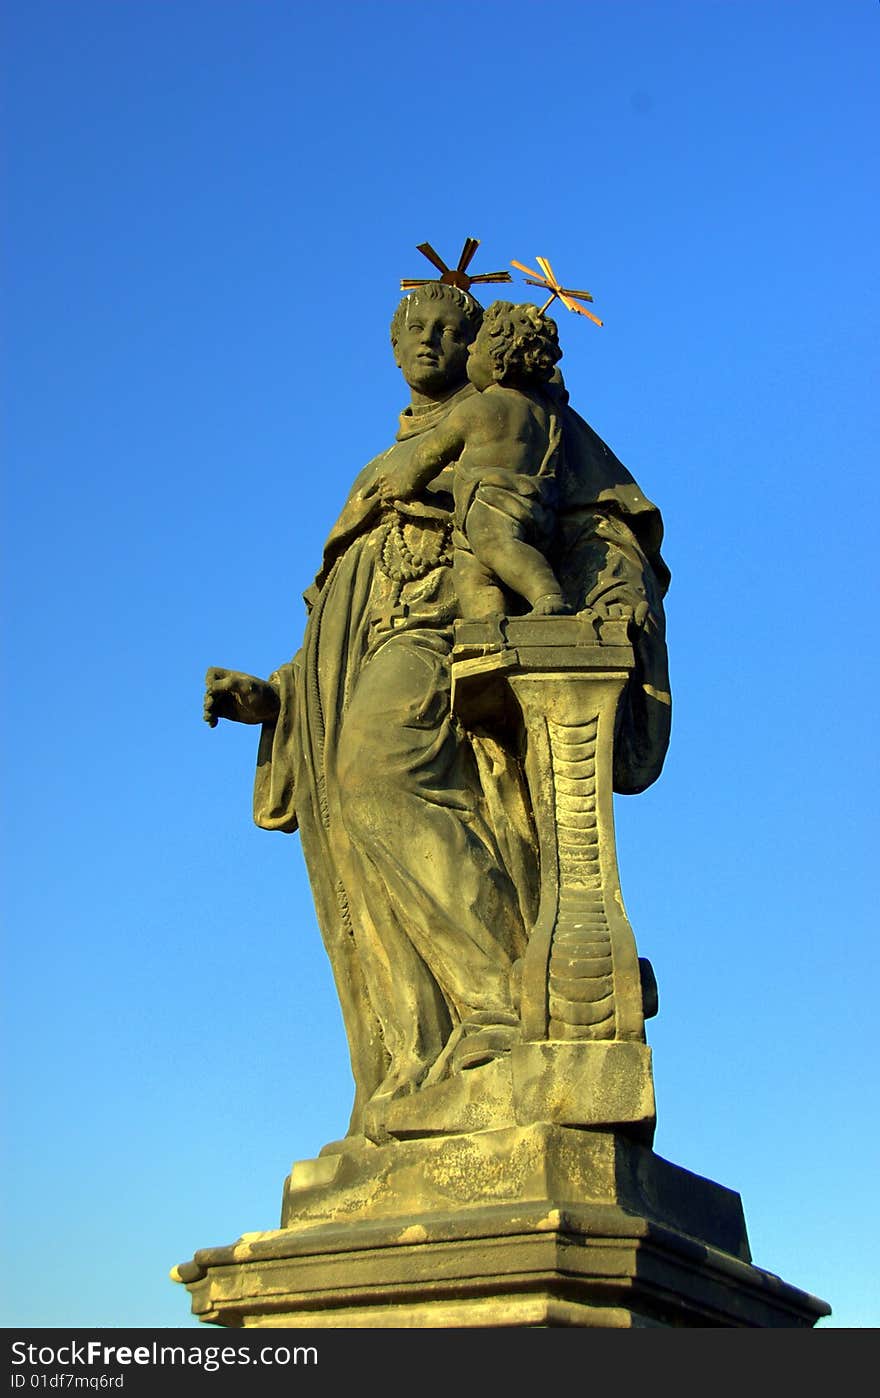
<point x="548" y="281"/>
<point x="453" y="276"/>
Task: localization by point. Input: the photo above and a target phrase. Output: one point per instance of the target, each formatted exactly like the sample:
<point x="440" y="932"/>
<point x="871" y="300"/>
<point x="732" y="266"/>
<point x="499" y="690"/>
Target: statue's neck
<point x="424" y="400"/>
<point x="424" y="413"/>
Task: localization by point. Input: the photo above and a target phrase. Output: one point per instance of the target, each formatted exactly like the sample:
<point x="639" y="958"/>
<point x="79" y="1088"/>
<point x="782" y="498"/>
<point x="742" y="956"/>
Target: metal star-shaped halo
<point x="548" y="281"/>
<point x="453" y="276"/>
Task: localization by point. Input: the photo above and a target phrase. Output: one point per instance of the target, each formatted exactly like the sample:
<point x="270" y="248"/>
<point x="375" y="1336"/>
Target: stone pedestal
<point x="517" y="1186"/>
<point x="520" y="1226"/>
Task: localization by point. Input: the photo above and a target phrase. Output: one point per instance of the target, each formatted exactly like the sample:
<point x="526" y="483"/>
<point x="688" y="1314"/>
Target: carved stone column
<point x="557" y="682"/>
<point x="581" y="978"/>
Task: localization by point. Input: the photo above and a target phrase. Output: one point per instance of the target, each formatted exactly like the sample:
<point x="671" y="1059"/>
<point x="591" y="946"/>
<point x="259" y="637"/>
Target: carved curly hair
<point x="438" y="291"/>
<point x="523" y="343"/>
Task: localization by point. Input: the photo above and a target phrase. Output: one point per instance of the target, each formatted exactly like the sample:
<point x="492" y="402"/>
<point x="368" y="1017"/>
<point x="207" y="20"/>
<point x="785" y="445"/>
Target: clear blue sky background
<point x="211" y="203"/>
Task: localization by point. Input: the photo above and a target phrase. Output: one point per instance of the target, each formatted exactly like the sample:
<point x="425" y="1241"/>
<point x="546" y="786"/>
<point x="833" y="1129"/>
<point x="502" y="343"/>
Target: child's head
<point x="516" y="346"/>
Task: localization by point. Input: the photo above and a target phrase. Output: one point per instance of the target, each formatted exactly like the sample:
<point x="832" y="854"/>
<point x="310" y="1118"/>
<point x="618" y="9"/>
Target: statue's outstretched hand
<point x="242" y="698"/>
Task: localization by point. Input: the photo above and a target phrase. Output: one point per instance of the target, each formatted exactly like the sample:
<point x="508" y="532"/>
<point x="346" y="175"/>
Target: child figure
<point x="504" y="442"/>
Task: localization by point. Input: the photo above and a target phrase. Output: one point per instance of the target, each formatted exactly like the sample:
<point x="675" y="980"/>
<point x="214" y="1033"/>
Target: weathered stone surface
<point x="540" y="1163"/>
<point x="567" y="1084"/>
<point x="484" y="664"/>
<point x="539" y="1225"/>
<point x="408" y="740"/>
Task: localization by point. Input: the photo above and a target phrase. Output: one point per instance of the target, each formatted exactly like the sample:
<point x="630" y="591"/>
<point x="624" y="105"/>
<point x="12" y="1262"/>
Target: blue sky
<point x="211" y="205"/>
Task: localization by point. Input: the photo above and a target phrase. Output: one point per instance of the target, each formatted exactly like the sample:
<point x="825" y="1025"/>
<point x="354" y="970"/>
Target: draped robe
<point x="417" y="835"/>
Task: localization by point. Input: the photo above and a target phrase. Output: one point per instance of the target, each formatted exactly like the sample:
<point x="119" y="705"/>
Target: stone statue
<point x="505" y="446"/>
<point x="418" y="823"/>
<point x="484" y="663"/>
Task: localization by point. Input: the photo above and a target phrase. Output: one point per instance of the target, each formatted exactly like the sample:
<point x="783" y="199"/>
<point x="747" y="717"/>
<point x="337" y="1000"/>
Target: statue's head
<point x="430" y="333"/>
<point x="517" y="346"/>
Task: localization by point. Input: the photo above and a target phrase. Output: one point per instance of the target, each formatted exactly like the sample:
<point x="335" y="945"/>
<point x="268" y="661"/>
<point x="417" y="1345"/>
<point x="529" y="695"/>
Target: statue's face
<point x="432" y="347"/>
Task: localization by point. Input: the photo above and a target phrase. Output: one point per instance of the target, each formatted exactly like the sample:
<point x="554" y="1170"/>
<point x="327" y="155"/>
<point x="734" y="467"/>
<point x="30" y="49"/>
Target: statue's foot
<point x="484" y="1035"/>
<point x="401" y="1081"/>
<point x="484" y="1043"/>
<point x="554" y="604"/>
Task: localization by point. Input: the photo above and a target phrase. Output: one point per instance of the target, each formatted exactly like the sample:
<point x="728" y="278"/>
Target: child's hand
<point x="377" y="487"/>
<point x="397" y="485"/>
<point x="391" y="486"/>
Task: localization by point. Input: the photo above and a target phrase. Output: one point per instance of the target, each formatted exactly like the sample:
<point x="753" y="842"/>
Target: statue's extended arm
<point x="242" y="698"/>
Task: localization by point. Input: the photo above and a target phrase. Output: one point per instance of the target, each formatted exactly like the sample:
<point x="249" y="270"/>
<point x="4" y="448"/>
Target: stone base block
<point x="538" y="1225"/>
<point x="606" y="1085"/>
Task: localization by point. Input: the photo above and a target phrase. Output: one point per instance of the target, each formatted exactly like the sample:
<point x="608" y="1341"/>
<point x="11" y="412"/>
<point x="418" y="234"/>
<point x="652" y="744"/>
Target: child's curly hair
<point x="523" y="343"/>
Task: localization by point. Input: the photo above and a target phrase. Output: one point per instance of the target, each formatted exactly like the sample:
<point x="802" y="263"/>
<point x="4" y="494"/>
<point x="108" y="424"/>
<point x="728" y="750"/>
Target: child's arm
<point x="436" y="449"/>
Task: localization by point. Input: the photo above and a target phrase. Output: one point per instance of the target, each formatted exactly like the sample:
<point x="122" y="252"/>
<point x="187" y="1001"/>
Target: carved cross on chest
<point x="390" y="615"/>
